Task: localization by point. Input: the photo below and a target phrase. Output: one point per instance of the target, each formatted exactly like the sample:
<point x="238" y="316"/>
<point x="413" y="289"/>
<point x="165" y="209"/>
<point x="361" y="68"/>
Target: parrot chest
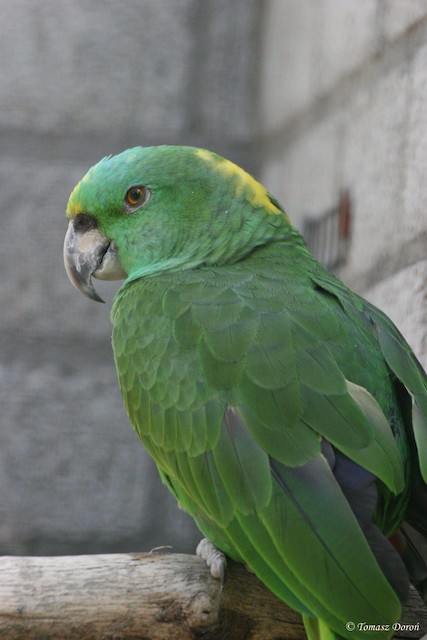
<point x="158" y="357"/>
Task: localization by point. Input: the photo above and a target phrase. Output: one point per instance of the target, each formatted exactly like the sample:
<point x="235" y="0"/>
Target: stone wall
<point x="80" y="80"/>
<point x="312" y="96"/>
<point x="343" y="93"/>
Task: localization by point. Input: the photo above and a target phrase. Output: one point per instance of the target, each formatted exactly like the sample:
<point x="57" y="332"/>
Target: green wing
<point x="410" y="386"/>
<point x="233" y="378"/>
<point x="407" y="369"/>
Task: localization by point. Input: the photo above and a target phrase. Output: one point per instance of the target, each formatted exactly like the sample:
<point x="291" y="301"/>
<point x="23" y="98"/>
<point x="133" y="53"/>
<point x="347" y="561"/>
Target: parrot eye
<point x="136" y="197"/>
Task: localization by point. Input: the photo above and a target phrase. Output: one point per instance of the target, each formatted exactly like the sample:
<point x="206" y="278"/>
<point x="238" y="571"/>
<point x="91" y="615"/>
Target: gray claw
<point x="214" y="558"/>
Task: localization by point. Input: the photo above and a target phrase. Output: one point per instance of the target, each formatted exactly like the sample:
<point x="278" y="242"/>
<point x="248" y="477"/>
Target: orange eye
<point x="136" y="197"/>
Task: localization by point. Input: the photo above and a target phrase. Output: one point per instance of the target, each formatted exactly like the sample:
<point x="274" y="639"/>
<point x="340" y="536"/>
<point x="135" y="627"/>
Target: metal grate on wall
<point x="327" y="235"/>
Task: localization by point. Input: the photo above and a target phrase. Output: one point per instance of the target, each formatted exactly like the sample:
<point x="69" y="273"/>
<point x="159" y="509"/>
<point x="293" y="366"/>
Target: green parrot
<point x="286" y="414"/>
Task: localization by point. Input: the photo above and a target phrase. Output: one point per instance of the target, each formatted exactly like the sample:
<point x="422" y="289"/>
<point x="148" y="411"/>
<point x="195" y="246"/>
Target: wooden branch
<point x="144" y="597"/>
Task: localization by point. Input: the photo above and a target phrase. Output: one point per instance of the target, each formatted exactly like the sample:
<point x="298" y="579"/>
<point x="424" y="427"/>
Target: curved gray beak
<point x="88" y="253"/>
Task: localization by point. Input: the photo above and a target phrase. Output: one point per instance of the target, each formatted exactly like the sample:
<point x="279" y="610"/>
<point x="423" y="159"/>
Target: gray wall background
<point x="78" y="80"/>
<point x="343" y="88"/>
<point x="312" y="96"/>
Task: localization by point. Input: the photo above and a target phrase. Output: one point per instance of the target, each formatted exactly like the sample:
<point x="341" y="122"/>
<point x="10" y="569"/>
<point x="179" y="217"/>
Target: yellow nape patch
<point x="256" y="194"/>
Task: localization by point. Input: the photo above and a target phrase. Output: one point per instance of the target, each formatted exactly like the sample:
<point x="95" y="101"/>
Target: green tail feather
<point x="316" y="629"/>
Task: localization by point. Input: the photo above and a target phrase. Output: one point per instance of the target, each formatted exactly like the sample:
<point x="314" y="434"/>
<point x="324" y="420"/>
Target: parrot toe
<point x="214" y="558"/>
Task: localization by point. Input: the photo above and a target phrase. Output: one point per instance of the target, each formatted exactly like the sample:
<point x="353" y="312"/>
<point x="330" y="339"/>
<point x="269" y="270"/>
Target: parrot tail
<point x="316" y="629"/>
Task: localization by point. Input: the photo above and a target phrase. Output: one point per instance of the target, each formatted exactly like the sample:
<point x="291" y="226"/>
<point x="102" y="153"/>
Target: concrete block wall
<point x="79" y="81"/>
<point x="342" y="100"/>
<point x="309" y="95"/>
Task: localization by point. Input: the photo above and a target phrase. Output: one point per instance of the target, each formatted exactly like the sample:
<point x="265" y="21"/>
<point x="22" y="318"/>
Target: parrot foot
<point x="214" y="558"/>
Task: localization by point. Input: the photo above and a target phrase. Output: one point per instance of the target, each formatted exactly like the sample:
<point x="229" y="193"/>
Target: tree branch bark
<point x="145" y="597"/>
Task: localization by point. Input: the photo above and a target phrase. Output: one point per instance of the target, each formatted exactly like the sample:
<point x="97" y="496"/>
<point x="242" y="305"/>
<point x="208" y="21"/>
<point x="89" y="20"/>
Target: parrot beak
<point x="88" y="253"/>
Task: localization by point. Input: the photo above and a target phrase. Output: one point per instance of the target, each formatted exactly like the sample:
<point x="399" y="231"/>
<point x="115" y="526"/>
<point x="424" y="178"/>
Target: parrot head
<point x="154" y="209"/>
